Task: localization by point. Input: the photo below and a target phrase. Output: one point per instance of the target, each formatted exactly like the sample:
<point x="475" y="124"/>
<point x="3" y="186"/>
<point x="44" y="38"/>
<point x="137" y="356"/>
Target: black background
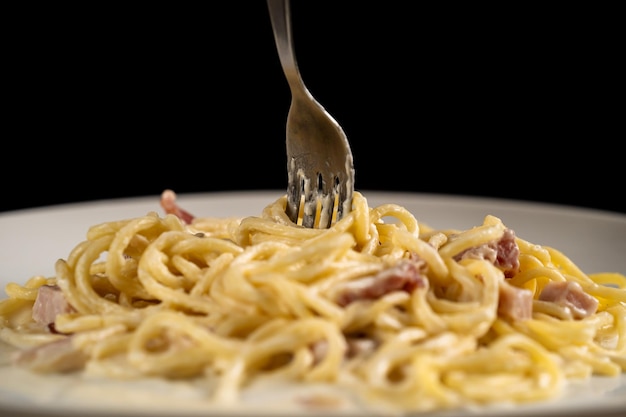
<point x="518" y="101"/>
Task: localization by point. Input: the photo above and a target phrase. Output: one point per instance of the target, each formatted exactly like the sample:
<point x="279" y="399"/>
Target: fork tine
<point x="320" y="202"/>
<point x="345" y="191"/>
<point x="309" y="210"/>
<point x="314" y="203"/>
<point x="295" y="185"/>
<point x="325" y="202"/>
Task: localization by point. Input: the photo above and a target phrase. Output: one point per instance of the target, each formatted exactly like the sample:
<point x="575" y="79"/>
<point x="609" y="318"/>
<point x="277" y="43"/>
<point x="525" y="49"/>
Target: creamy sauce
<point x="23" y="390"/>
<point x="78" y="394"/>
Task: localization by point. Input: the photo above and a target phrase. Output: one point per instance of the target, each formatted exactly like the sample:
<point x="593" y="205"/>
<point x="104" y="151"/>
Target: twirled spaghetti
<point x="403" y="316"/>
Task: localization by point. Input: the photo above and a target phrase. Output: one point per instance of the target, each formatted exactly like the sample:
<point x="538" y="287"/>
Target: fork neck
<point x="280" y="15"/>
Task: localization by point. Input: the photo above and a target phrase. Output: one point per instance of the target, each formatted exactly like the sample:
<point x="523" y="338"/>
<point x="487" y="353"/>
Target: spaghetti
<point x="399" y="314"/>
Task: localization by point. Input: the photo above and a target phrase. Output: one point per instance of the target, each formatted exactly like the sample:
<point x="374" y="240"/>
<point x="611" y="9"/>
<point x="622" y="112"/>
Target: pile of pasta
<point x="379" y="304"/>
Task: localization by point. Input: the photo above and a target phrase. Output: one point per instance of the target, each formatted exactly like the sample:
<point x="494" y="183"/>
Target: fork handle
<point x="280" y="16"/>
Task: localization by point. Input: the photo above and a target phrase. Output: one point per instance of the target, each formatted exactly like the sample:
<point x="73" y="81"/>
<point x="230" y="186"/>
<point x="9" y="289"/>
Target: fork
<point x="320" y="168"/>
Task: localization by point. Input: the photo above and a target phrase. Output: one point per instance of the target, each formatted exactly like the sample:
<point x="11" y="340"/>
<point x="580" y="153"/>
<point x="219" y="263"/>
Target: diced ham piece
<point x="571" y="295"/>
<point x="49" y="303"/>
<point x="515" y="303"/>
<point x="503" y="253"/>
<point x="407" y="275"/>
<point x="169" y="205"/>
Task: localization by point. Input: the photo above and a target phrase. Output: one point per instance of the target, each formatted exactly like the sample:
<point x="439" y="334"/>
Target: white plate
<point x="32" y="240"/>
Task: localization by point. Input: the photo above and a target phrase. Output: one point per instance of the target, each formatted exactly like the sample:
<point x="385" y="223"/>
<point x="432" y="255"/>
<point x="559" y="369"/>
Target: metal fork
<point x="320" y="169"/>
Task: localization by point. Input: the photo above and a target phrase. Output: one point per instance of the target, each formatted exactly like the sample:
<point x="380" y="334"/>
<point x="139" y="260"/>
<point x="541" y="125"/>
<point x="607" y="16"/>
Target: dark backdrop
<point x="110" y="100"/>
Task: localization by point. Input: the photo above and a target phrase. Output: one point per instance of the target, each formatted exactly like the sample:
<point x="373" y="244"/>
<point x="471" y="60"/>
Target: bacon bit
<point x="507" y="251"/>
<point x="503" y="253"/>
<point x="571" y="295"/>
<point x="169" y="205"/>
<point x="515" y="303"/>
<point x="49" y="303"/>
<point x="407" y="275"/>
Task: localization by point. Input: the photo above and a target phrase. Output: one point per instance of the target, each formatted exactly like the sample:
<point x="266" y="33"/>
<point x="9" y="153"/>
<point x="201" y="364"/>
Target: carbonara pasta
<point x="402" y="316"/>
